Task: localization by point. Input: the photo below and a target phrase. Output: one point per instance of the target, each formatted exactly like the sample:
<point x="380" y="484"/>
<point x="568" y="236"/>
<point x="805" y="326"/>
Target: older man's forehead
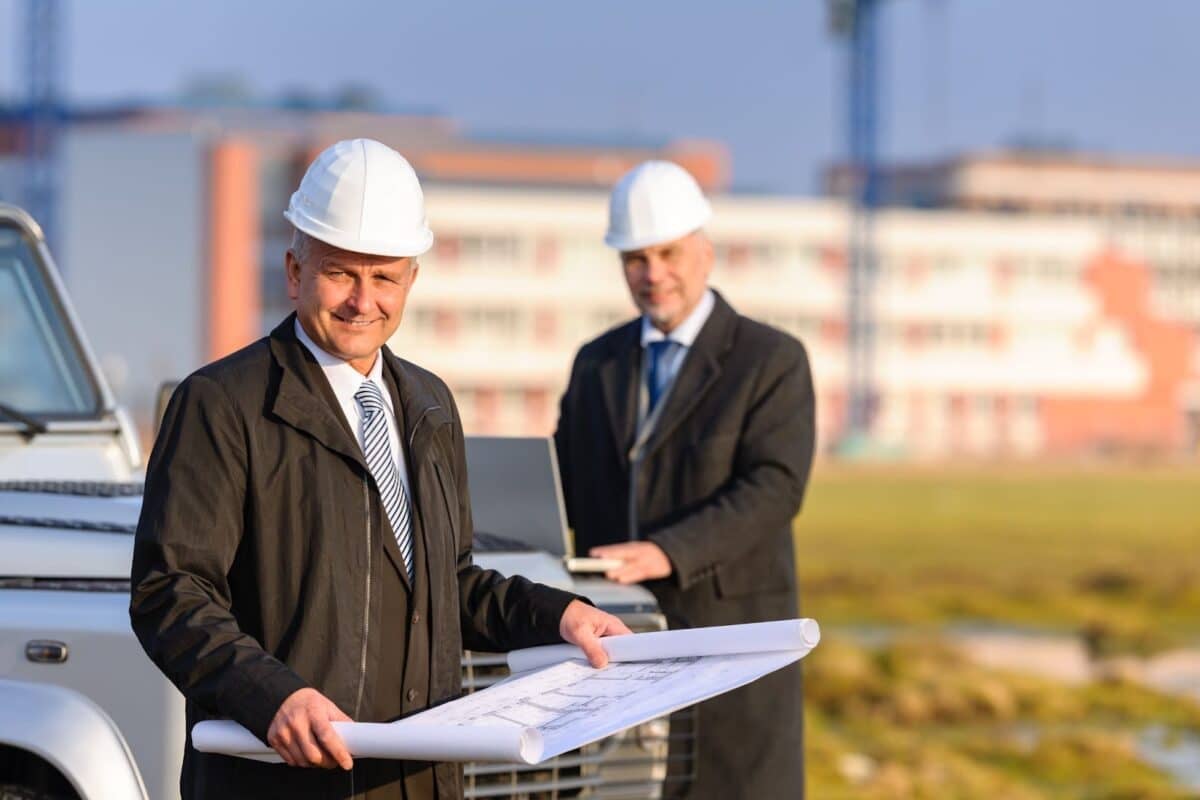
<point x="682" y="241"/>
<point x="328" y="254"/>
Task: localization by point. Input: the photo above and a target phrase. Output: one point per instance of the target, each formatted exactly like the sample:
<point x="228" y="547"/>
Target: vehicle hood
<point x="85" y="533"/>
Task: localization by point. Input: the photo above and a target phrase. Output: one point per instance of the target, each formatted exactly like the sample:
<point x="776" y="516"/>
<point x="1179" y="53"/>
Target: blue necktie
<point x="659" y="375"/>
<point x="378" y="451"/>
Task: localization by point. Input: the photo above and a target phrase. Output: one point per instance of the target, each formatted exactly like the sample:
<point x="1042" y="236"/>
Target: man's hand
<point x="642" y="561"/>
<point x="582" y="625"/>
<point x="302" y="734"/>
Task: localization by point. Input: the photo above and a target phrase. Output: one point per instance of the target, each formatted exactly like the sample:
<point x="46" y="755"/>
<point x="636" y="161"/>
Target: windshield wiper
<point x="32" y="426"/>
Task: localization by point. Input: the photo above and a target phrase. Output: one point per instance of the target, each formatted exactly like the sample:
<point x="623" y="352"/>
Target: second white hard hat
<point x="654" y="203"/>
<point x="361" y="195"/>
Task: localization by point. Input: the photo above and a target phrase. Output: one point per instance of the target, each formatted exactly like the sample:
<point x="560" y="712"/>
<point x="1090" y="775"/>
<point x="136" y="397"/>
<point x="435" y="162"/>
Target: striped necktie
<point x="378" y="452"/>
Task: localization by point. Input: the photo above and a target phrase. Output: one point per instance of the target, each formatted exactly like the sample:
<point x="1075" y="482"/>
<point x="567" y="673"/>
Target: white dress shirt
<point x="685" y="333"/>
<point x="345" y="380"/>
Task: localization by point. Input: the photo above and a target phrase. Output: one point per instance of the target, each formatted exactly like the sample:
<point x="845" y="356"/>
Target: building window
<point x="537" y="409"/>
<point x="446" y="250"/>
<point x="487" y="409"/>
<point x="546" y="254"/>
<point x="545" y="326"/>
<point x="445" y="324"/>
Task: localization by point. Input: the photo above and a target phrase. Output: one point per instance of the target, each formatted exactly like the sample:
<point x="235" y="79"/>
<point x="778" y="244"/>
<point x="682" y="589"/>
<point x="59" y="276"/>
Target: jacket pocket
<point x="768" y="569"/>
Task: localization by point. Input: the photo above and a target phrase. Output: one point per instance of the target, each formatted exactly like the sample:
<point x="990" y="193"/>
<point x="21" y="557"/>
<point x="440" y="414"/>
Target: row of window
<point x="515" y="410"/>
<point x="548" y="253"/>
<point x="551" y="328"/>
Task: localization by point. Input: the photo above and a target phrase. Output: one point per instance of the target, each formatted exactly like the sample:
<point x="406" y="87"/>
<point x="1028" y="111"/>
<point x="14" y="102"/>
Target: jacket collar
<point x="699" y="371"/>
<point x="302" y="396"/>
<point x="619" y="376"/>
<point x="304" y="400"/>
<point x="423" y="412"/>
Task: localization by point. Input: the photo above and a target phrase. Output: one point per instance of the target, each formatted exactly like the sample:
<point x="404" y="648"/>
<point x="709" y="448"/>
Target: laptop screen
<point x="515" y="491"/>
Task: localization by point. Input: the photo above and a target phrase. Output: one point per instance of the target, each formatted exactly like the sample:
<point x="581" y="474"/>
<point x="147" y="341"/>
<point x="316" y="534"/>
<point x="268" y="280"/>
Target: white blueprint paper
<point x="719" y="640"/>
<point x="570" y="704"/>
<point x="550" y="710"/>
<point x="405" y="739"/>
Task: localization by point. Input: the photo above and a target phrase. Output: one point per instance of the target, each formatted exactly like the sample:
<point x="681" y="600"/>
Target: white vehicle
<point x="83" y="711"/>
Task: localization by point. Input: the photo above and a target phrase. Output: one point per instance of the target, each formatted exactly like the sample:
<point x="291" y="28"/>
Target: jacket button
<point x="416" y="617"/>
<point x="412" y="695"/>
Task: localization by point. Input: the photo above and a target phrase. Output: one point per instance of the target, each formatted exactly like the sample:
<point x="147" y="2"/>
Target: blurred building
<point x="1001" y="331"/>
<point x="1056" y="182"/>
<point x="172" y="235"/>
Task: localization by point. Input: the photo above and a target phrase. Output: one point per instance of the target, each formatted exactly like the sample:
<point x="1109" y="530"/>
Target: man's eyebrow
<point x="339" y="260"/>
<point x="329" y="259"/>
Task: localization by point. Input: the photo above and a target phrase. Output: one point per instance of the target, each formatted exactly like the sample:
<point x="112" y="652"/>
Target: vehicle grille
<point x="631" y="765"/>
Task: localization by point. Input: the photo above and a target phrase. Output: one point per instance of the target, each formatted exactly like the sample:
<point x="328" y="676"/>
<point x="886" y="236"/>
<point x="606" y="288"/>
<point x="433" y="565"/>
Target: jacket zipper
<point x="362" y="664"/>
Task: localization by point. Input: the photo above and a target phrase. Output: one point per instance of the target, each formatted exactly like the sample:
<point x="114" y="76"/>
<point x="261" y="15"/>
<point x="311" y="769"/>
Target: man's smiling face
<point x="668" y="280"/>
<point x="349" y="303"/>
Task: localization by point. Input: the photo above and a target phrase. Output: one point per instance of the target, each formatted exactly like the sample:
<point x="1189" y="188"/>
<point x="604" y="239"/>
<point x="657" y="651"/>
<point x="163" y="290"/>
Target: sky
<point x="764" y="77"/>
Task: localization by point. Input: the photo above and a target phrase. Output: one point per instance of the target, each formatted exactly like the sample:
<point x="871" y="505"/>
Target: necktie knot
<point x="662" y="348"/>
<point x="369" y="397"/>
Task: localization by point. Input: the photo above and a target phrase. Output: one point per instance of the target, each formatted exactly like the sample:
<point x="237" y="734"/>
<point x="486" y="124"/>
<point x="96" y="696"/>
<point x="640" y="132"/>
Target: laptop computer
<point x="516" y="495"/>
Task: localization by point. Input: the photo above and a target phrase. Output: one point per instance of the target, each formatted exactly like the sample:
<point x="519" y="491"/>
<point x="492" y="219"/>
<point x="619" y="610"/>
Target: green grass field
<point x="1110" y="554"/>
<point x="1034" y="546"/>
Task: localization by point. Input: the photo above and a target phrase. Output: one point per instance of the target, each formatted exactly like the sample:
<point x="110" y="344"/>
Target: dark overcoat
<point x="722" y="477"/>
<point x="262" y="550"/>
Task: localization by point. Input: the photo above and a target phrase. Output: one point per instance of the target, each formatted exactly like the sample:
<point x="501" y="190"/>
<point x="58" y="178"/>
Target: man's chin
<point x="660" y="317"/>
<point x="353" y="348"/>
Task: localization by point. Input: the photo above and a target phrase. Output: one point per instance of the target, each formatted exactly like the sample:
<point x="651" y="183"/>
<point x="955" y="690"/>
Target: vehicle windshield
<point x="42" y="370"/>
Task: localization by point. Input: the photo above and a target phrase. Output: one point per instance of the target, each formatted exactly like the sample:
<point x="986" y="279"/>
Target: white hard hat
<point x="361" y="195"/>
<point x="654" y="203"/>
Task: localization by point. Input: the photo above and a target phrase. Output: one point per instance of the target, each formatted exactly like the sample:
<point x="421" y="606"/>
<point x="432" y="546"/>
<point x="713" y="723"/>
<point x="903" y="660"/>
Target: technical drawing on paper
<point x="570" y="703"/>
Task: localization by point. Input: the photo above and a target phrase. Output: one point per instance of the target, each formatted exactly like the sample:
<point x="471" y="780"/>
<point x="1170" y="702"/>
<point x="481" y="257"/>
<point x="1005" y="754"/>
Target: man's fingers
<point x="310" y="752"/>
<point x="590" y="645"/>
<point x="609" y="551"/>
<point x="333" y="744"/>
<point x="303" y="735"/>
<point x="582" y="625"/>
<point x="281" y="740"/>
<point x="629" y="572"/>
<point x="289" y="755"/>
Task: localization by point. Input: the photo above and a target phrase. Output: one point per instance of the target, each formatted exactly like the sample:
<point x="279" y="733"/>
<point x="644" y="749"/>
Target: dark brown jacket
<point x="258" y="556"/>
<point x="723" y="476"/>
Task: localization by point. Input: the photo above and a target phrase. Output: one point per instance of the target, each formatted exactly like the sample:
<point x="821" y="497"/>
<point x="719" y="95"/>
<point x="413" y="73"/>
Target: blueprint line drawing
<point x="557" y="706"/>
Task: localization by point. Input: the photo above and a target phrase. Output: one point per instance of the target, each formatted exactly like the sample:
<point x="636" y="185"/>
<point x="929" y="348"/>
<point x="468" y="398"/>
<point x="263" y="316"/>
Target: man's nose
<point x="361" y="298"/>
<point x="656" y="270"/>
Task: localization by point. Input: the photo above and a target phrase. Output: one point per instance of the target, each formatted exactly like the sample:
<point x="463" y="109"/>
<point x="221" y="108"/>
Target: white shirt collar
<point x="688" y="330"/>
<point x="344" y="379"/>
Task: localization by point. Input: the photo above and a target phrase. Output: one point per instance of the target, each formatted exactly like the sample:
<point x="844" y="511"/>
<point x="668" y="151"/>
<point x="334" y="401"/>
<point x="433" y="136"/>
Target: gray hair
<point x="305" y="247"/>
<point x="302" y="246"/>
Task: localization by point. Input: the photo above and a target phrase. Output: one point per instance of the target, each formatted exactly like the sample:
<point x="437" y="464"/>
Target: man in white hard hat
<point x="304" y="549"/>
<point x="685" y="441"/>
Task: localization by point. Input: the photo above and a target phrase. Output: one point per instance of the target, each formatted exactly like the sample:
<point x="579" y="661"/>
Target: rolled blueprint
<point x="405" y="739"/>
<point x="800" y="635"/>
<point x="554" y="702"/>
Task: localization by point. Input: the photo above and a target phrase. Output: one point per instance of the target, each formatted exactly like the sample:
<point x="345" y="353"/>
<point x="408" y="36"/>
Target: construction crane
<point x="42" y="114"/>
<point x="857" y="21"/>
